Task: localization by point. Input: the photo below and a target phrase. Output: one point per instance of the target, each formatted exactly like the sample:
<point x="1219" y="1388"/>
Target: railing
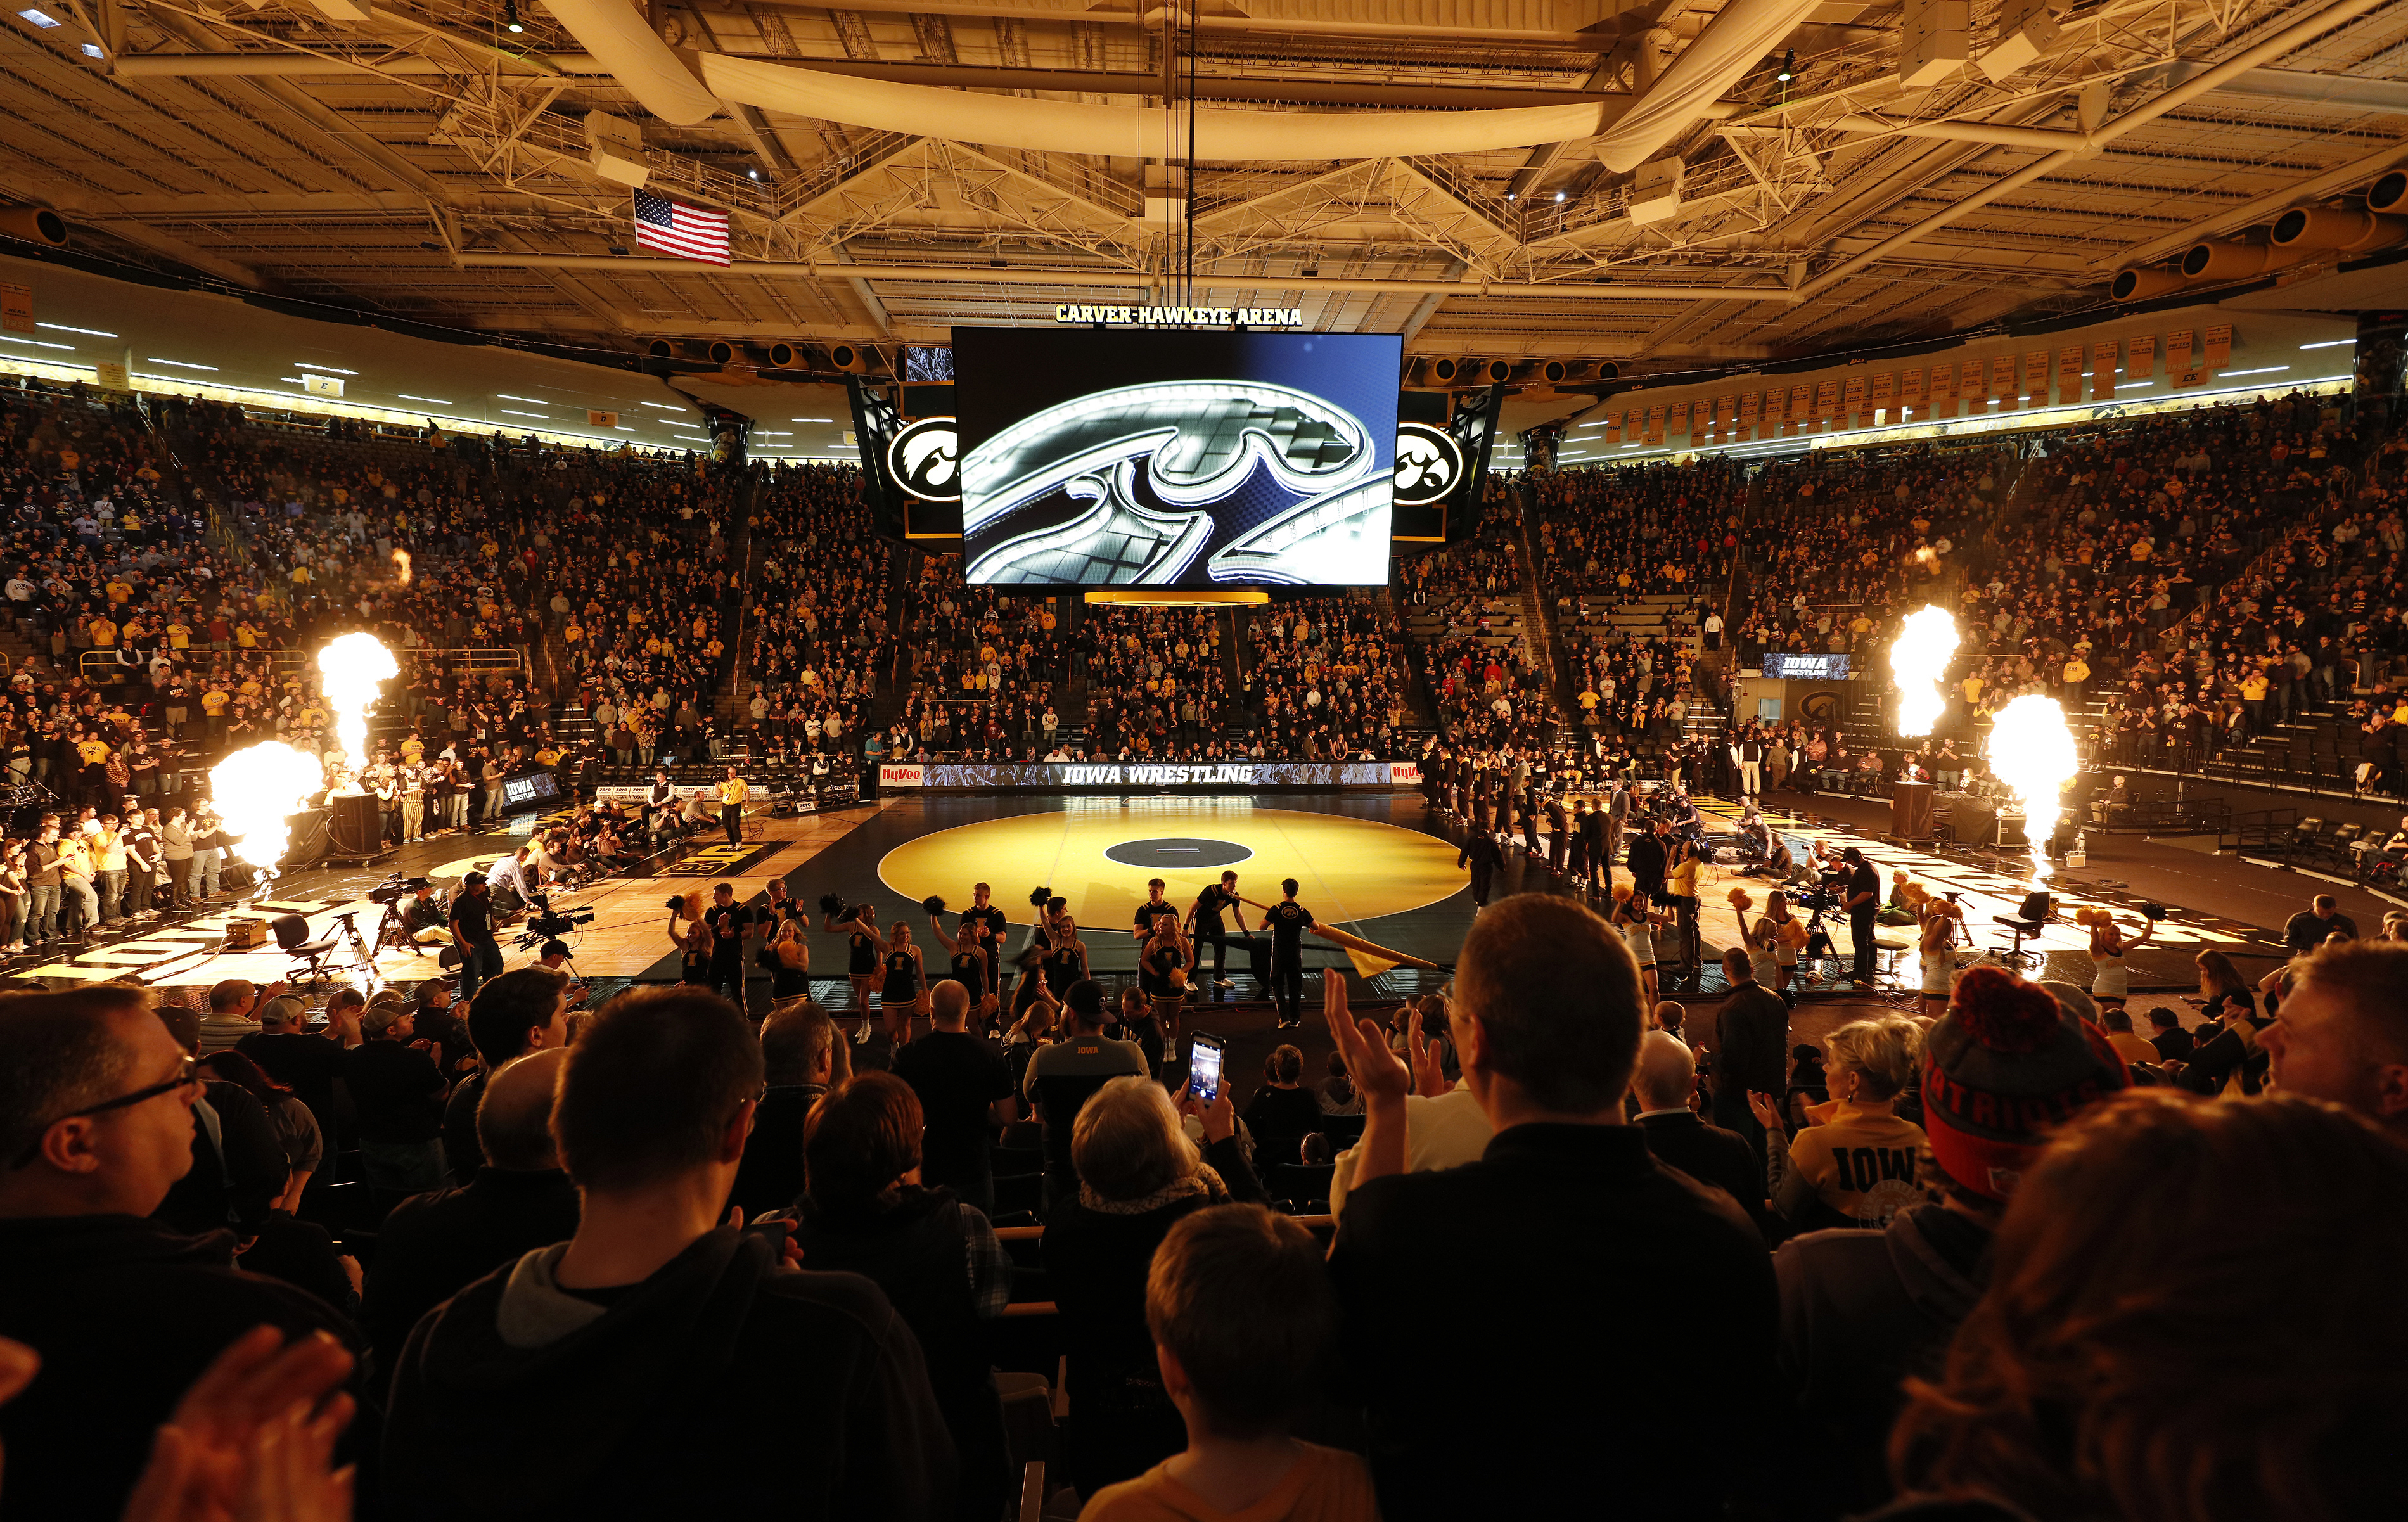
<point x="2162" y="816"/>
<point x="102" y="668"/>
<point x="474" y="658"/>
<point x="2265" y="829"/>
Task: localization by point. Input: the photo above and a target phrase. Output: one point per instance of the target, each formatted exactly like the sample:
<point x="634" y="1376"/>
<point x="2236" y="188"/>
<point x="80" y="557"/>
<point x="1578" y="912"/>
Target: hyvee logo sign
<point x="902" y="776"/>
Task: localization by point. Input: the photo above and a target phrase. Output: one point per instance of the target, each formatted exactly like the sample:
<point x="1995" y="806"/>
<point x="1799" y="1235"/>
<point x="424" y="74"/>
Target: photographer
<point x="1862" y="889"/>
<point x="425" y="917"/>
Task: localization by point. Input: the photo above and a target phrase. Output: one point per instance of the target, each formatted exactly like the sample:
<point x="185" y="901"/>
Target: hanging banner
<point x="2178" y="371"/>
<point x="601" y="419"/>
<point x="1973" y="386"/>
<point x="1676" y="420"/>
<point x="1826" y="404"/>
<point x="1852" y="400"/>
<point x="16" y="308"/>
<point x="2069" y="375"/>
<point x="1634" y="426"/>
<point x="1801" y="409"/>
<point x="1748" y="415"/>
<point x="2034" y="391"/>
<point x="111" y="376"/>
<point x="2003" y="381"/>
<point x="1655" y="424"/>
<point x="2102" y="370"/>
<point x="1614" y="429"/>
<point x="2220" y="347"/>
<point x="2140" y="359"/>
<point x="1725" y="413"/>
<point x="1942" y="390"/>
<point x="1884" y="395"/>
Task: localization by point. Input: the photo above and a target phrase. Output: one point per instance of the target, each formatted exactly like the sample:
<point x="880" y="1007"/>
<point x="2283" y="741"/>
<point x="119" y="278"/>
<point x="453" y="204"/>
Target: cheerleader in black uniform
<point x="1065" y="961"/>
<point x="1162" y="971"/>
<point x="691" y="934"/>
<point x="864" y="947"/>
<point x="905" y="994"/>
<point x="968" y="961"/>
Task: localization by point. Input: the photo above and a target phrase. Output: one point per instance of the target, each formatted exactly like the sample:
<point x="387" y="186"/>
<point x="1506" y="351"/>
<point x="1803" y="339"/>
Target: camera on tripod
<point x="393" y="889"/>
<point x="547" y="921"/>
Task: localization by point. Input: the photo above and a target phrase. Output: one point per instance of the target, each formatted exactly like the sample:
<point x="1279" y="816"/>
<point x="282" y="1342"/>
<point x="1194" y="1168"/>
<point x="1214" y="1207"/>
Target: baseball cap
<point x="472" y="880"/>
<point x="384" y="1010"/>
<point x="283" y="1010"/>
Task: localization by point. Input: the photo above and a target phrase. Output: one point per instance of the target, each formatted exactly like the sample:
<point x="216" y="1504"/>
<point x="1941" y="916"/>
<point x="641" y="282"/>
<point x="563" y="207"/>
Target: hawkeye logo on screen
<point x="1181" y="316"/>
<point x="1157" y="776"/>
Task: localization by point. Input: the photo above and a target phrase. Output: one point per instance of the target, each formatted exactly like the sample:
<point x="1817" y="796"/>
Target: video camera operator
<point x="425" y="917"/>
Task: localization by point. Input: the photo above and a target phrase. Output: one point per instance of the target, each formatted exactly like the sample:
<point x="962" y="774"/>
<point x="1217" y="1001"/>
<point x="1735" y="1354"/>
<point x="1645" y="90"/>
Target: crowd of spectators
<point x="1616" y="533"/>
<point x="820" y="646"/>
<point x="1489" y="686"/>
<point x="1988" y="1264"/>
<point x="1321" y="681"/>
<point x="1157" y="682"/>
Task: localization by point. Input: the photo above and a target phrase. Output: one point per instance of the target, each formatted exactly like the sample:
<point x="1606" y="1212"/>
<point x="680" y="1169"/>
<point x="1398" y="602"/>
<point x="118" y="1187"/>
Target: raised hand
<point x="1376" y="1070"/>
<point x="1429" y="1062"/>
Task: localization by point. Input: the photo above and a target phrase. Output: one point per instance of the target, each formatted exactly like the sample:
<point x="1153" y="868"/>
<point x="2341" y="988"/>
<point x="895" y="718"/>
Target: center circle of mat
<point x="1347" y="869"/>
<point x="1178" y="851"/>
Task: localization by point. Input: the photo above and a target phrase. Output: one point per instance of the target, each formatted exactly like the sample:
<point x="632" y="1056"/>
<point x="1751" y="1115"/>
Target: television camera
<point x="549" y="924"/>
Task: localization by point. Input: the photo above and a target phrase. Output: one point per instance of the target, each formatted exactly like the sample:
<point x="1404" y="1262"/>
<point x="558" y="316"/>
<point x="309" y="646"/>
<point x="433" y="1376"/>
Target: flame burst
<point x="2032" y="752"/>
<point x="401" y="565"/>
<point x="254" y="788"/>
<point x="1917" y="661"/>
<point x="350" y="670"/>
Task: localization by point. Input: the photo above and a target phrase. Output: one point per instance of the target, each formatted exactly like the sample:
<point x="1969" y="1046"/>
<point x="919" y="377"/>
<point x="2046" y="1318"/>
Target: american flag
<point x="688" y="232"/>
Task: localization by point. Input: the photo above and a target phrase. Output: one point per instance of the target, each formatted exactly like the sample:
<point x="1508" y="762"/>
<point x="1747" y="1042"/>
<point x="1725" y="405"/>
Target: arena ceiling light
<point x="183" y="364"/>
<point x="94" y="50"/>
<point x="519" y="412"/>
<point x="810" y="420"/>
<point x="508" y="397"/>
<point x="665" y="406"/>
<point x="38" y="343"/>
<point x="439" y="401"/>
<point x="41" y="19"/>
<point x="330" y="370"/>
<point x="2263" y="370"/>
<point x="2329" y="343"/>
<point x="62" y="327"/>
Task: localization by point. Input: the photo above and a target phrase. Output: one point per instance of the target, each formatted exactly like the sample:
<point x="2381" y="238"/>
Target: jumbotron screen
<point x="1176" y="459"/>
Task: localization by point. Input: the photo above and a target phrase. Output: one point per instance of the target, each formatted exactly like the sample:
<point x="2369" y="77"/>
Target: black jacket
<point x="1709" y="1155"/>
<point x="125" y="1314"/>
<point x="1532" y="1249"/>
<point x="1859" y="1311"/>
<point x="770" y="1177"/>
<point x="725" y="1386"/>
<point x="437" y="1243"/>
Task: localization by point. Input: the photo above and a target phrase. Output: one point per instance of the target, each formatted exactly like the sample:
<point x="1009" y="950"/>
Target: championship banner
<point x="1826" y="403"/>
<point x="1150" y="776"/>
<point x="1614" y="429"/>
<point x="1749" y="414"/>
<point x="1909" y="394"/>
<point x="16" y="307"/>
<point x="2178" y="371"/>
<point x="2002" y="380"/>
<point x="2036" y="378"/>
<point x="2140" y="358"/>
<point x="1969" y="384"/>
<point x="1801" y="409"/>
<point x="1655" y="423"/>
<point x="1884" y="395"/>
<point x="1852" y="400"/>
<point x="1676" y="418"/>
<point x="1943" y="389"/>
<point x="2220" y="347"/>
<point x="2102" y="370"/>
<point x="2069" y="375"/>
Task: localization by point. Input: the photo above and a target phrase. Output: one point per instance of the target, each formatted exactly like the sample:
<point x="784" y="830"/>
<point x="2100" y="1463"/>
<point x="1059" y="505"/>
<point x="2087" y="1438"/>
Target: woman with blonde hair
<point x="1941" y="918"/>
<point x="1138" y="1173"/>
<point x="1856" y="1164"/>
<point x="2101" y="1374"/>
<point x="1772" y="940"/>
<point x="691" y="935"/>
<point x="1636" y="924"/>
<point x="2111" y="979"/>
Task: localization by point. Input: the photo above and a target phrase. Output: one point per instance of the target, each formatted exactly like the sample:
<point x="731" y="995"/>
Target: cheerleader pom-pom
<point x="934" y="903"/>
<point x="1038" y="897"/>
<point x="1620" y="892"/>
<point x="2087" y="915"/>
<point x="1913" y="892"/>
<point x="1740" y="901"/>
<point x="676" y="903"/>
<point x="831" y="903"/>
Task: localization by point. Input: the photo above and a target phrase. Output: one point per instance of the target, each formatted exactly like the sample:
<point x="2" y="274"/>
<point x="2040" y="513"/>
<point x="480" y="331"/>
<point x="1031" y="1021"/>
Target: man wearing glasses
<point x="95" y="1127"/>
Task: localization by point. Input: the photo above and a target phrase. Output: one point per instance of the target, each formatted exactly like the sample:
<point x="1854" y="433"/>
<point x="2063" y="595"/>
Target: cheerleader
<point x="1636" y="924"/>
<point x="690" y="936"/>
<point x="864" y="947"/>
<point x="2111" y="977"/>
<point x="967" y="959"/>
<point x="1941" y="920"/>
<point x="905" y="993"/>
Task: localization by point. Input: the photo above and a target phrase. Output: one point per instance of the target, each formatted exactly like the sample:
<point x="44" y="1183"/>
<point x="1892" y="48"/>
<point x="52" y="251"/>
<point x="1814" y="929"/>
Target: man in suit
<point x="1481" y="854"/>
<point x="1665" y="1085"/>
<point x="1597" y="849"/>
<point x="1650" y="856"/>
<point x="1558" y="835"/>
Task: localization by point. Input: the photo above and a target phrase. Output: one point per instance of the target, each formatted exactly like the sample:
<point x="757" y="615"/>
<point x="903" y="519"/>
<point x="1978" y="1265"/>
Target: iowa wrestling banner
<point x="1150" y="776"/>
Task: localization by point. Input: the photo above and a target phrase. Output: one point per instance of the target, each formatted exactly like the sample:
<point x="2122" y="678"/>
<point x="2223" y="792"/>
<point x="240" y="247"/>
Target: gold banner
<point x="2140" y="359"/>
<point x="2102" y="370"/>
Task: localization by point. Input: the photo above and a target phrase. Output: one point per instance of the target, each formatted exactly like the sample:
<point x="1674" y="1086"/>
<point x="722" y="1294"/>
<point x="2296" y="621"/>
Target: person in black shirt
<point x="1283" y="1112"/>
<point x="969" y="958"/>
<point x="1288" y="921"/>
<point x="472" y="931"/>
<point x="1155" y="904"/>
<point x="2174" y="1043"/>
<point x="1864" y="901"/>
<point x="1482" y="854"/>
<point x="983" y="910"/>
<point x="964" y="1089"/>
<point x="1204" y="922"/>
<point x="730" y="923"/>
<point x="398" y="1092"/>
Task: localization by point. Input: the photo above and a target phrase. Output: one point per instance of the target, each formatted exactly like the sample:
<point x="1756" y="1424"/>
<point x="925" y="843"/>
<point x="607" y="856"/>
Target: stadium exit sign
<point x="1181" y="316"/>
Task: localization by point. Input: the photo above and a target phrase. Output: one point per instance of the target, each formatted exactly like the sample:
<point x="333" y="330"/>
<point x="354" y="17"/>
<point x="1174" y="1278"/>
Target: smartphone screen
<point x="1204" y="1068"/>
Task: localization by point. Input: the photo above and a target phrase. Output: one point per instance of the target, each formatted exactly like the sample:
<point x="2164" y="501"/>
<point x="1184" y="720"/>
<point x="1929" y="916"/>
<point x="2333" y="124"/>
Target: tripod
<point x="347" y="925"/>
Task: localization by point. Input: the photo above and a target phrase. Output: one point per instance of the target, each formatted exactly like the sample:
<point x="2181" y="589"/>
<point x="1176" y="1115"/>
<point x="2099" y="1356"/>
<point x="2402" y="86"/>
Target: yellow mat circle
<point x="1346" y="869"/>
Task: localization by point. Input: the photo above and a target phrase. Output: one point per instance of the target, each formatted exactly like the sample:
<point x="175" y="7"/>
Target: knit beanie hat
<point x="2005" y="1066"/>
